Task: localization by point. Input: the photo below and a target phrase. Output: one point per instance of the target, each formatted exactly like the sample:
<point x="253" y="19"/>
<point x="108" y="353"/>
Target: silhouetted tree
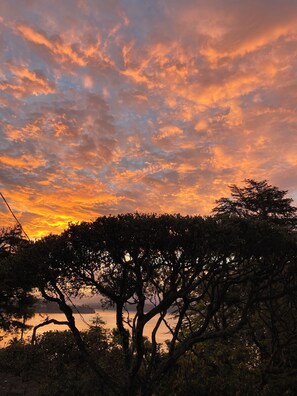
<point x="260" y="200"/>
<point x="16" y="300"/>
<point x="272" y="327"/>
<point x="220" y="268"/>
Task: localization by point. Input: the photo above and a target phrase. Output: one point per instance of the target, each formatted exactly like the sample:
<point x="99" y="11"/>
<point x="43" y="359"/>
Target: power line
<point x="21" y="227"/>
<point x="14" y="216"/>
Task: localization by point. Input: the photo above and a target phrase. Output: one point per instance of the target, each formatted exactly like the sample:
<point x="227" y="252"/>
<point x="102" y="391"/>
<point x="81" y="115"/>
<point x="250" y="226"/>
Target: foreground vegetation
<point x="230" y="280"/>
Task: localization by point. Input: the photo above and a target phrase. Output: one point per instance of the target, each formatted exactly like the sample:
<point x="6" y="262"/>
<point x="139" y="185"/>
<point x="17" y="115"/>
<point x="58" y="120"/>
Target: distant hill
<point x="52" y="307"/>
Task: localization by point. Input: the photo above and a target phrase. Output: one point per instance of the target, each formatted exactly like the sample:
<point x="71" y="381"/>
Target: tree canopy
<point x="258" y="199"/>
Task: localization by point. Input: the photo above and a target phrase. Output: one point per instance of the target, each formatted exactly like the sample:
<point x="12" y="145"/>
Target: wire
<point x="21" y="227"/>
<point x="16" y="219"/>
<point x="77" y="310"/>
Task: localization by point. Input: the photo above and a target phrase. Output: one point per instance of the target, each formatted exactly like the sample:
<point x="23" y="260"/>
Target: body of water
<point x="83" y="322"/>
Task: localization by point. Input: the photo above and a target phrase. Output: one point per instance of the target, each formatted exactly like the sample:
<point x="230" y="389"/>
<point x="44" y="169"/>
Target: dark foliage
<point x="260" y="200"/>
<point x="16" y="299"/>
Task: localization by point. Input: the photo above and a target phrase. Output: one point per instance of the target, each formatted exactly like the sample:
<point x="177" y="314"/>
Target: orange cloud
<point x="26" y="82"/>
<point x="24" y="161"/>
<point x="252" y="43"/>
<point x="108" y="109"/>
<point x="62" y="50"/>
<point x="167" y="131"/>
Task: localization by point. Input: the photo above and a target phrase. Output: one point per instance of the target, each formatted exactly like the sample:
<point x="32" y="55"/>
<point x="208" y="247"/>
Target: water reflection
<point x="83" y="322"/>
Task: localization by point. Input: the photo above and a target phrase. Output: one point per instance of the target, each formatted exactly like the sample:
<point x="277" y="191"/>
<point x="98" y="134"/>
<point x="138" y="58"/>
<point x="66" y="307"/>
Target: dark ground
<point x="13" y="385"/>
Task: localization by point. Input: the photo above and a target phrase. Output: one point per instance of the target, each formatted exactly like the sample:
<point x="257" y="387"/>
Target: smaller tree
<point x="258" y="199"/>
<point x="16" y="300"/>
<point x="272" y="327"/>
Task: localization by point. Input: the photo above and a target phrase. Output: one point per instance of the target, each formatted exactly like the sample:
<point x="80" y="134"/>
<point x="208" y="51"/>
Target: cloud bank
<point x="121" y="106"/>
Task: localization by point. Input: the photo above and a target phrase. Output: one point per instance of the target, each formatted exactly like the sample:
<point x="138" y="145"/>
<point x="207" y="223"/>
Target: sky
<point x="116" y="106"/>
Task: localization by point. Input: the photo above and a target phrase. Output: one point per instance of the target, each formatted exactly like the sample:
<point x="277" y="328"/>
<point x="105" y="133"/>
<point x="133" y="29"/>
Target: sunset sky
<point x="115" y="106"/>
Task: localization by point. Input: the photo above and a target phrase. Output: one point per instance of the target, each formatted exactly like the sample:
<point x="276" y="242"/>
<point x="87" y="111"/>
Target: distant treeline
<point x="52" y="307"/>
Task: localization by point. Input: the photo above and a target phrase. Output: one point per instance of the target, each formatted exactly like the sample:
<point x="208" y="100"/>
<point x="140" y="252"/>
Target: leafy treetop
<point x="258" y="199"/>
